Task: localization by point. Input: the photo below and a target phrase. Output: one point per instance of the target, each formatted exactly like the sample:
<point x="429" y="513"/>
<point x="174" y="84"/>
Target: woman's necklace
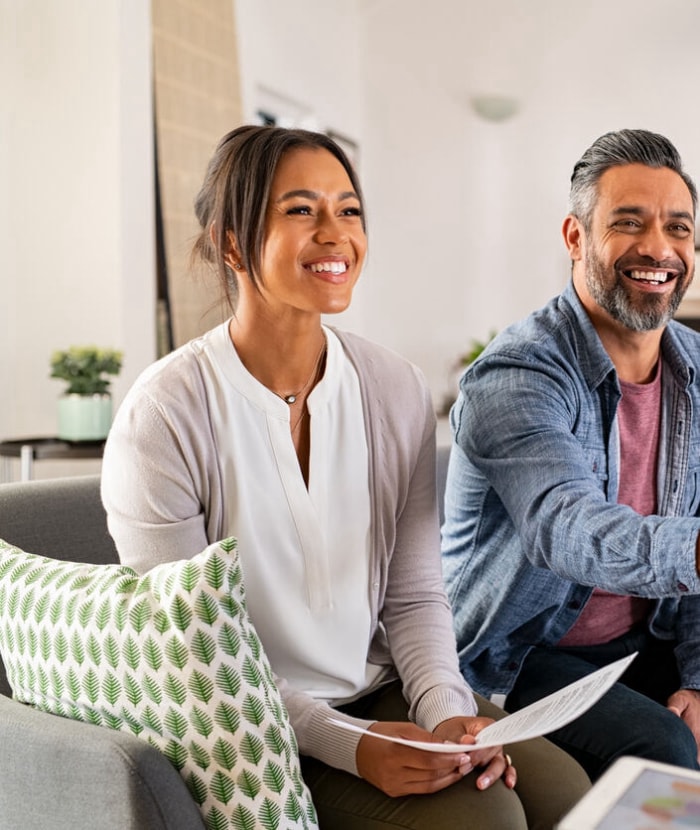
<point x="296" y="426"/>
<point x="290" y="399"/>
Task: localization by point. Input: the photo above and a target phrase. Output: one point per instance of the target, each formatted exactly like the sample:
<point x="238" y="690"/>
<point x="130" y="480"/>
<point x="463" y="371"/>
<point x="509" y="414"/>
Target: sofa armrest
<point x="65" y="775"/>
<point x="62" y="518"/>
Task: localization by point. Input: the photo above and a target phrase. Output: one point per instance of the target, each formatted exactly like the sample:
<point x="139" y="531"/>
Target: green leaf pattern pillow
<point x="170" y="656"/>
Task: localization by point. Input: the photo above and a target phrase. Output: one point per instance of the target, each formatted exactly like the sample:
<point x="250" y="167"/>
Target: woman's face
<point x="314" y="240"/>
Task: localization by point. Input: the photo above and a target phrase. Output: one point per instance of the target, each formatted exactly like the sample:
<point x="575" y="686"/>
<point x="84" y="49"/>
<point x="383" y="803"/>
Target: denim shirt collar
<point x="676" y="354"/>
<point x="595" y="362"/>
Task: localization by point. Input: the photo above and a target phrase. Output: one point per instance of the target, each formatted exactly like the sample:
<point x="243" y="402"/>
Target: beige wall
<point x="197" y="96"/>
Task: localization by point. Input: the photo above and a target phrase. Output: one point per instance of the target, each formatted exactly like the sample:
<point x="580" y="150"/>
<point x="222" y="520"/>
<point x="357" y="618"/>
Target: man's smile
<point x="650" y="277"/>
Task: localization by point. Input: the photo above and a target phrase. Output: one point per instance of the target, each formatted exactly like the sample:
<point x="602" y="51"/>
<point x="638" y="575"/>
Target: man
<point x="573" y="492"/>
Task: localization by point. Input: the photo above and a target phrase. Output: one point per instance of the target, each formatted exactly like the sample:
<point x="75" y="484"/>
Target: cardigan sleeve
<point x="414" y="618"/>
<point x="416" y="611"/>
<point x="158" y="469"/>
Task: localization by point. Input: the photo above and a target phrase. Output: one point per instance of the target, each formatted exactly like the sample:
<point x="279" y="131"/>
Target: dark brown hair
<point x="236" y="190"/>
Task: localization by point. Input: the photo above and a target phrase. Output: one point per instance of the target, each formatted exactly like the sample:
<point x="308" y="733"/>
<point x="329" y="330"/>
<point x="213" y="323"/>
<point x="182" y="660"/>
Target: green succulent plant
<point x="83" y="368"/>
<point x="476" y="347"/>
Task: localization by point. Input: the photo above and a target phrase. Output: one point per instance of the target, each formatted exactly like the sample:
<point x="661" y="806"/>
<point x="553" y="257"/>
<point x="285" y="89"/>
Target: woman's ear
<point x="232" y="257"/>
<point x="574" y="237"/>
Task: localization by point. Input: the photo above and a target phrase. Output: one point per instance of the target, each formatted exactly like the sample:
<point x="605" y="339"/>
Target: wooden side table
<point x="29" y="450"/>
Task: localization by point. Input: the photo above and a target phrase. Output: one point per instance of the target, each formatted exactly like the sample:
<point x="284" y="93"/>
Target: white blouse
<point x="304" y="552"/>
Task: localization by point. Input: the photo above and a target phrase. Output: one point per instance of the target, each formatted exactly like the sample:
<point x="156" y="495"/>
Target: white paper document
<point x="539" y="718"/>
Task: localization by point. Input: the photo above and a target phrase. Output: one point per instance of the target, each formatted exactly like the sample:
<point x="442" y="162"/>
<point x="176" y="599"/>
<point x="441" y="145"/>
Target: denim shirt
<point x="531" y="515"/>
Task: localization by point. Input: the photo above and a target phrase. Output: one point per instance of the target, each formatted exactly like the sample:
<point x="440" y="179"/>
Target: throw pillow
<point x="170" y="656"/>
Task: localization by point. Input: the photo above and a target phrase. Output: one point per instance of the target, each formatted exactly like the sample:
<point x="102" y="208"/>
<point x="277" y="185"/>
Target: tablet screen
<point x="655" y="800"/>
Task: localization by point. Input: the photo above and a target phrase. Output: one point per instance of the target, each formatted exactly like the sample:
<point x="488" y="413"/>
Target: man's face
<point x="638" y="258"/>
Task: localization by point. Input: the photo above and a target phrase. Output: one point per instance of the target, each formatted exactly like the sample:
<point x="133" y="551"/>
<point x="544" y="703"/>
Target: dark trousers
<point x="630" y="719"/>
<point x="549" y="783"/>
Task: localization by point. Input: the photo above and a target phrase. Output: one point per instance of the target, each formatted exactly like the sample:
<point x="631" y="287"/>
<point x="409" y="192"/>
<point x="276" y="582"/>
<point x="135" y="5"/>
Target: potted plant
<point x="85" y="409"/>
<point x="463" y="360"/>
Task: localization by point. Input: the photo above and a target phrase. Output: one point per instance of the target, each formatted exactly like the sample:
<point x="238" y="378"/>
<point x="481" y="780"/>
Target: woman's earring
<point x="237" y="266"/>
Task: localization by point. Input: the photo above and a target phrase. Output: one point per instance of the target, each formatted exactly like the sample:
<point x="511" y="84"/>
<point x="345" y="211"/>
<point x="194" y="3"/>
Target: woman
<point x="338" y="536"/>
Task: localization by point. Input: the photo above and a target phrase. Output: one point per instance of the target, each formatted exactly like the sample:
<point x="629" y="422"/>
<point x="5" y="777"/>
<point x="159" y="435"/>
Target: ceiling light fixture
<point x="494" y="107"/>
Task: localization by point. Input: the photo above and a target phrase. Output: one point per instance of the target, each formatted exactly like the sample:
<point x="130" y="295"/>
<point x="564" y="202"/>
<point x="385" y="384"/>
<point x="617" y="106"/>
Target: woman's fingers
<point x="500" y="765"/>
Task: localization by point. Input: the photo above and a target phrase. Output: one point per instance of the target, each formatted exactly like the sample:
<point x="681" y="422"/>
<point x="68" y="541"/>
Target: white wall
<point x="464" y="214"/>
<point x="309" y="53"/>
<point x="306" y="56"/>
<point x="76" y="199"/>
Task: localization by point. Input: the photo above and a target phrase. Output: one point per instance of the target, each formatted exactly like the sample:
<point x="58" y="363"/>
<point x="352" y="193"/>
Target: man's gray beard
<point x="657" y="310"/>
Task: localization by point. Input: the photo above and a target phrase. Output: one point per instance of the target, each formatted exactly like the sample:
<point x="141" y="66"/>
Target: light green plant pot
<point x="84" y="417"/>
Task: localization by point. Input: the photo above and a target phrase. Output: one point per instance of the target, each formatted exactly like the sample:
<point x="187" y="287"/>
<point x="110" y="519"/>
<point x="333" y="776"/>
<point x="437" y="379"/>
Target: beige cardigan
<point x="160" y="467"/>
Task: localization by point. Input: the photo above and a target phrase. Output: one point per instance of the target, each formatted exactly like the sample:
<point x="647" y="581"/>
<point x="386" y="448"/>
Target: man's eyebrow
<point x="683" y="214"/>
<point x="635" y="210"/>
<point x="311" y="194"/>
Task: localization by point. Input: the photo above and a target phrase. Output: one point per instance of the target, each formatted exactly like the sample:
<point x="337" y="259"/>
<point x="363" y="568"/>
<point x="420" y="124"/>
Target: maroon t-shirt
<point x="607" y="616"/>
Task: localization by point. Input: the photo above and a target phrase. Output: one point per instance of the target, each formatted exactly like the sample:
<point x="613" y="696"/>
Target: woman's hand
<point x="496" y="761"/>
<point x="403" y="770"/>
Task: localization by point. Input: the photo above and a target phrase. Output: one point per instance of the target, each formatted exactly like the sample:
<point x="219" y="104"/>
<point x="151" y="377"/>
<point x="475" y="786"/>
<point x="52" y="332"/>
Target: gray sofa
<point x="60" y="773"/>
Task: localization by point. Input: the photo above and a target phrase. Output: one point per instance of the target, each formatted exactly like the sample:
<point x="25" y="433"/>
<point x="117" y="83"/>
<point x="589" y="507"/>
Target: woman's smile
<point x="331" y="270"/>
<point x="315" y="240"/>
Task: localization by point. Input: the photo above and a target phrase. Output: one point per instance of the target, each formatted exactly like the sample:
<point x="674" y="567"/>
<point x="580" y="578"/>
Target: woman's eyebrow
<point x="311" y="194"/>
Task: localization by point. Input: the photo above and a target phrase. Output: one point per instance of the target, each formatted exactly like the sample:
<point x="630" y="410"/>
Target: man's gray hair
<point x="616" y="148"/>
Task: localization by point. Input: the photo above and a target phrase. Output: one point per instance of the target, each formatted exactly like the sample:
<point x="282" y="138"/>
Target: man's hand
<point x="686" y="704"/>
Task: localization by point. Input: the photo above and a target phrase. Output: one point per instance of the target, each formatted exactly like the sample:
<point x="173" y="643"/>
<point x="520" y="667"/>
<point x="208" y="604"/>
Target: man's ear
<point x="574" y="237"/>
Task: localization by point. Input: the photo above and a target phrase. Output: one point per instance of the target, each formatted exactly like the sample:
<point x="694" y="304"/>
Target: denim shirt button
<point x="575" y="604"/>
<point x="682" y="587"/>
